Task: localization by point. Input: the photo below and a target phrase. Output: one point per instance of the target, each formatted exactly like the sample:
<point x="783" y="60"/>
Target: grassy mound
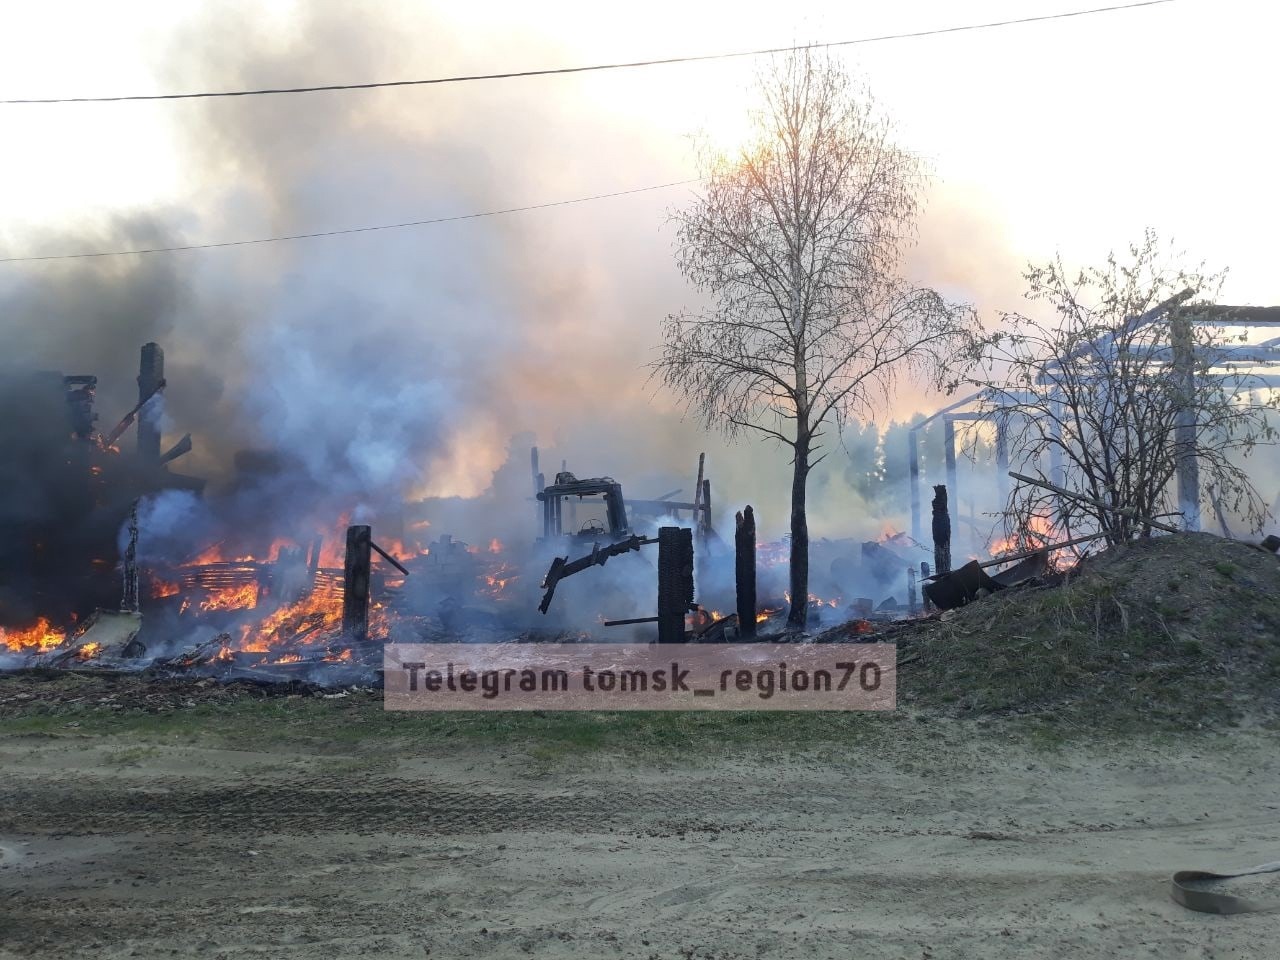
<point x="1179" y="630"/>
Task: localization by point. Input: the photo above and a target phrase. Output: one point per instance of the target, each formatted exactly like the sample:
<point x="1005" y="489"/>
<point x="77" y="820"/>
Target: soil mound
<point x="1180" y="630"/>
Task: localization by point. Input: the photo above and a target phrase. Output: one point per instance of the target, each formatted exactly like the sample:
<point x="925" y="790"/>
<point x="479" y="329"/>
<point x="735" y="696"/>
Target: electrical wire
<point x="665" y="61"/>
<point x="336" y="233"/>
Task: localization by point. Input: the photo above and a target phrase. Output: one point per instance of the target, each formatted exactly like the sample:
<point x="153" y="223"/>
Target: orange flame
<point x="38" y="638"/>
<point x="163" y="588"/>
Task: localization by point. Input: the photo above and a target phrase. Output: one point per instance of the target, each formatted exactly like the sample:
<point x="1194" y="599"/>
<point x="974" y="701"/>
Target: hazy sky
<point x="1070" y="135"/>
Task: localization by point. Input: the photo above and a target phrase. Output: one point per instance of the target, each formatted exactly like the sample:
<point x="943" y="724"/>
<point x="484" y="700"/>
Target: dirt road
<point x="945" y="839"/>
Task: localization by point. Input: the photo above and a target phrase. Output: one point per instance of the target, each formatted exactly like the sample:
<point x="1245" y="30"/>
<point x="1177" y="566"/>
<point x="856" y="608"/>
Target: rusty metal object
<point x="960" y="587"/>
<point x="1036" y="565"/>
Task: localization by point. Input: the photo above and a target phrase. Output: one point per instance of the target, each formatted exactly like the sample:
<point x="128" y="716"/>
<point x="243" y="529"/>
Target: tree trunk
<point x="798" y="617"/>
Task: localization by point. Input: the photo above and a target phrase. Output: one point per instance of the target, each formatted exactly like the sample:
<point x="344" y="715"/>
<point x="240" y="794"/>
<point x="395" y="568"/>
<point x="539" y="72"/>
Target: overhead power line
<point x="594" y="67"/>
<point x="336" y="233"/>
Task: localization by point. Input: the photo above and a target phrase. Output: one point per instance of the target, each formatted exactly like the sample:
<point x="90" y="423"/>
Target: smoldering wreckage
<point x="78" y="594"/>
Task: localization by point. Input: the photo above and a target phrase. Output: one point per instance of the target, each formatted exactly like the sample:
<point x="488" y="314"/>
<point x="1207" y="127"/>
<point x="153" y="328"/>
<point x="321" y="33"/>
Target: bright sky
<point x="1072" y="134"/>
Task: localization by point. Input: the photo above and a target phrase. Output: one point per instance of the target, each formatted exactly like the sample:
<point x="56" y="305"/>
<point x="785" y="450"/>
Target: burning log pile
<point x="281" y="616"/>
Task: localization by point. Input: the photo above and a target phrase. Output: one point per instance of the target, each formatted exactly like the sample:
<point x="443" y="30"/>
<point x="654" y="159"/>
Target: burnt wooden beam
<point x="355" y="583"/>
<point x="130" y="600"/>
<point x="150" y="380"/>
<point x="745" y="571"/>
<point x="706" y="507"/>
<point x="675" y="582"/>
<point x="389" y="558"/>
<point x="941" y="531"/>
<point x="661" y="506"/>
<point x="181" y="448"/>
<point x="313" y="562"/>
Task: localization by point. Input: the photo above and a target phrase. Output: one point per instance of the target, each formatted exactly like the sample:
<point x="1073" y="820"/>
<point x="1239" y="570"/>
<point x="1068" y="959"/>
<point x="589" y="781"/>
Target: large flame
<point x="38" y="638"/>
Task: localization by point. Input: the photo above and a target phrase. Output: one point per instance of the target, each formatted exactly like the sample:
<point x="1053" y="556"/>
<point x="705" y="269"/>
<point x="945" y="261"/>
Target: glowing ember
<point x="162" y="588"/>
<point x="88" y="651"/>
<point x="497" y="579"/>
<point x="38" y="638"/>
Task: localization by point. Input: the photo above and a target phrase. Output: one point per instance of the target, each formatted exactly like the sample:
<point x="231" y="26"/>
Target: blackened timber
<point x="127" y="420"/>
<point x="562" y="567"/>
<point x="150" y="381"/>
<point x="129" y="602"/>
<point x="389" y="558"/>
<point x="675" y="582"/>
<point x="1185" y="419"/>
<point x="941" y="531"/>
<point x="313" y="562"/>
<point x="660" y="505"/>
<point x="745" y="571"/>
<point x="913" y="449"/>
<point x="181" y="448"/>
<point x="355" y="583"/>
<point x="706" y="508"/>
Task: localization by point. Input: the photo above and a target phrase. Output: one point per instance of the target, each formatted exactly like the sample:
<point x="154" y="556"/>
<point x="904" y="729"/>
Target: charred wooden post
<point x="941" y="530"/>
<point x="675" y="582"/>
<point x="913" y="604"/>
<point x="924" y="575"/>
<point x="150" y="379"/>
<point x="949" y="450"/>
<point x="130" y="601"/>
<point x="913" y="452"/>
<point x="1184" y="424"/>
<point x="706" y="508"/>
<point x="538" y="485"/>
<point x="697" y="495"/>
<point x="355" y="583"/>
<point x="313" y="562"/>
<point x="744" y="541"/>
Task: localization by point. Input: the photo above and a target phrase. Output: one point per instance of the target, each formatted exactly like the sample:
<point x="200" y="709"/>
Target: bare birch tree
<point x="796" y="243"/>
<point x="1095" y="398"/>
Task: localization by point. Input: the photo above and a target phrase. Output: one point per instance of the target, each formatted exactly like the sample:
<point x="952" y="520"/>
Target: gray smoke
<point x="386" y="367"/>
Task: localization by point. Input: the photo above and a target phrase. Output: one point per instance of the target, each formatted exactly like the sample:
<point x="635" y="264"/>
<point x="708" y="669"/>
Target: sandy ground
<point x="952" y="840"/>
